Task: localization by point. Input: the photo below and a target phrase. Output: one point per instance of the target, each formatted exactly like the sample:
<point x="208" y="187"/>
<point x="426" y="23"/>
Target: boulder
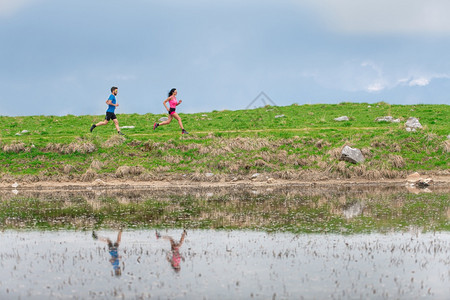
<point x="343" y="118"/>
<point x="412" y="124"/>
<point x="352" y="155"/>
<point x="415" y="179"/>
<point x="279" y="116"/>
<point x="162" y="119"/>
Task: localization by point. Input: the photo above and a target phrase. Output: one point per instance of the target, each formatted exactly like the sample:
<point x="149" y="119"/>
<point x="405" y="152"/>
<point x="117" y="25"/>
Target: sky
<point x="62" y="57"/>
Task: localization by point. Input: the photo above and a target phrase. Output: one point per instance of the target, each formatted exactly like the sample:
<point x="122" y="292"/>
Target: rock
<point x="416" y="180"/>
<point x="126" y="127"/>
<point x="209" y="174"/>
<point x="423" y="183"/>
<point x="270" y="180"/>
<point x="387" y="119"/>
<point x="209" y="195"/>
<point x="15" y="192"/>
<point x="279" y="116"/>
<point x="413" y="124"/>
<point x="413" y="177"/>
<point x="24" y="131"/>
<point x="255" y="176"/>
<point x="18" y="134"/>
<point x="98" y="182"/>
<point x="352" y="155"/>
<point x="343" y="118"/>
<point x="15" y="184"/>
<point x="204" y="115"/>
<point x="369" y="106"/>
<point x="162" y="119"/>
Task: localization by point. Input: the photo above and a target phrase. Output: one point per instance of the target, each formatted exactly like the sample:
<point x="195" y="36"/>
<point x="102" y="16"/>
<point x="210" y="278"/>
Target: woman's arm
<point x="165" y="101"/>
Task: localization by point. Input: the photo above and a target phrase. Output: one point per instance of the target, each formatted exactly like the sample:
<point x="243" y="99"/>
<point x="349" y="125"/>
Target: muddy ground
<point x="439" y="181"/>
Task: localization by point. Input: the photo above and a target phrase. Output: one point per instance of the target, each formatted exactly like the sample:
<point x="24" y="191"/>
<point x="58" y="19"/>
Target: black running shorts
<point x="110" y="116"/>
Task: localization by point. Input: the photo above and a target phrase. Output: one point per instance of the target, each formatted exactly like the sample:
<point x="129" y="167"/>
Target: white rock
<point x="209" y="174"/>
<point x="162" y="119"/>
<point x="413" y="123"/>
<point x="255" y="175"/>
<point x="15" y="184"/>
<point x="204" y="115"/>
<point x="24" y="131"/>
<point x="15" y="192"/>
<point x="343" y="118"/>
<point x="18" y="134"/>
<point x="209" y="195"/>
<point x="279" y="116"/>
<point x="352" y="155"/>
<point x="98" y="182"/>
<point x="127" y="127"/>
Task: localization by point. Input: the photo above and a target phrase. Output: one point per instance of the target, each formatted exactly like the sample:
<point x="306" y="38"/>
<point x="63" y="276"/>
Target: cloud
<point x="11" y="7"/>
<point x="383" y="16"/>
<point x="419" y="82"/>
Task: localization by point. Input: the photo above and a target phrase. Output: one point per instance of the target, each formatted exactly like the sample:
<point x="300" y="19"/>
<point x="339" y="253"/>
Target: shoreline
<point x="127" y="184"/>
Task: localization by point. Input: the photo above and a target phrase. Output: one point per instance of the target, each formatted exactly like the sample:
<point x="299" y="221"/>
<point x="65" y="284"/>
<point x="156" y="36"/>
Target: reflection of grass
<point x="231" y="143"/>
<point x="305" y="214"/>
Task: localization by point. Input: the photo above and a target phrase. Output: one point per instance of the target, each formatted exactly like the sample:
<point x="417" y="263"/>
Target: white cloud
<point x="10" y="7"/>
<point x="383" y="16"/>
<point x="419" y="82"/>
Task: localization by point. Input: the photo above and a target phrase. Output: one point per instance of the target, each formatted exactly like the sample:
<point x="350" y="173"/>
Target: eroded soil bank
<point x="175" y="182"/>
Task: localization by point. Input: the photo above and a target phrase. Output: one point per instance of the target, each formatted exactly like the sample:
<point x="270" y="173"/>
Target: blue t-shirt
<point x="111" y="108"/>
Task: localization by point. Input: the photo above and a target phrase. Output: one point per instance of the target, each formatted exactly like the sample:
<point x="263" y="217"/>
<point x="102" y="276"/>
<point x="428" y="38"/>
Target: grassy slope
<point x="231" y="143"/>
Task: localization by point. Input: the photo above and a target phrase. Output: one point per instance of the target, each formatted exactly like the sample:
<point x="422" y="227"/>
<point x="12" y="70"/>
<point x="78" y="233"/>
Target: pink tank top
<point x="173" y="102"/>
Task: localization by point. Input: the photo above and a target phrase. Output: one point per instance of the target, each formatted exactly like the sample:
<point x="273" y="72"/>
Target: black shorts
<point x="171" y="110"/>
<point x="110" y="116"/>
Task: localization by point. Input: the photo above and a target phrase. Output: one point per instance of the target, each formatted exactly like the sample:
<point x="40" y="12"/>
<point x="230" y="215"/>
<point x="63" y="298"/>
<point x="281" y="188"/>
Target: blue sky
<point x="62" y="57"/>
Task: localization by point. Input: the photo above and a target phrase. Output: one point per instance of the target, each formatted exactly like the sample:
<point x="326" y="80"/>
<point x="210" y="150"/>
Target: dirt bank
<point x="438" y="181"/>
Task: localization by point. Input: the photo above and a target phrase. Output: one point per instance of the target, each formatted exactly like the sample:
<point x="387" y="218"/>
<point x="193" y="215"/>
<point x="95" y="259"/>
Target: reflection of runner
<point x="173" y="103"/>
<point x="113" y="251"/>
<point x="174" y="257"/>
<point x="110" y="115"/>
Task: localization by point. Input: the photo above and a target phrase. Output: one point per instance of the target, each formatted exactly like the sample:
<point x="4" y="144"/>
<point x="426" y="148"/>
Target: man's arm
<point x="109" y="102"/>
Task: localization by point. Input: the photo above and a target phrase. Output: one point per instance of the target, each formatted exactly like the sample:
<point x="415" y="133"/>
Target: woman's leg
<point x="167" y="121"/>
<point x="177" y="117"/>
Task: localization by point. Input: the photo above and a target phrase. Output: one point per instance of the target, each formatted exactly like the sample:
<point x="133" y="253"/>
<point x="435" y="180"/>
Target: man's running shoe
<point x="120" y="133"/>
<point x="183" y="131"/>
<point x="92" y="127"/>
<point x="155" y="125"/>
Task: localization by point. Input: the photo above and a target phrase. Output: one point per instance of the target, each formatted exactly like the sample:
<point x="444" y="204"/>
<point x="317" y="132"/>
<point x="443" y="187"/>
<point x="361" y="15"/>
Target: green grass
<point x="232" y="143"/>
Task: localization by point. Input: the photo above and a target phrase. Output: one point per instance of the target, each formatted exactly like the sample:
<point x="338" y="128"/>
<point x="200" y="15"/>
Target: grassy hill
<point x="292" y="142"/>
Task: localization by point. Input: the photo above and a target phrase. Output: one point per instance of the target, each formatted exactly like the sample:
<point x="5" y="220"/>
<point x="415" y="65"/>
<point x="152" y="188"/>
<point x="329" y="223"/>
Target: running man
<point x="173" y="103"/>
<point x="110" y="115"/>
<point x="113" y="250"/>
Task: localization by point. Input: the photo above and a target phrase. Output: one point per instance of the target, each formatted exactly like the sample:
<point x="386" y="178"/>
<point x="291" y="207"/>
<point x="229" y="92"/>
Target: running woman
<point x="173" y="256"/>
<point x="173" y="103"/>
<point x="110" y="115"/>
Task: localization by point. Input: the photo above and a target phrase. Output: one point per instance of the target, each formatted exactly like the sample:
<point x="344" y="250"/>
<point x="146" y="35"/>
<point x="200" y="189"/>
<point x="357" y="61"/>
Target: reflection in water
<point x="227" y="265"/>
<point x="296" y="209"/>
<point x="173" y="256"/>
<point x="113" y="249"/>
